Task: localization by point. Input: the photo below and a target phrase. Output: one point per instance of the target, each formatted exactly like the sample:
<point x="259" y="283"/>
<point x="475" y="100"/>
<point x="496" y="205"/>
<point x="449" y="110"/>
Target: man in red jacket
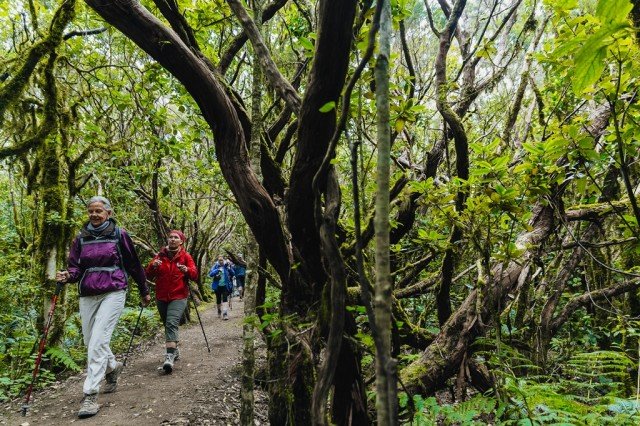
<point x="171" y="269"/>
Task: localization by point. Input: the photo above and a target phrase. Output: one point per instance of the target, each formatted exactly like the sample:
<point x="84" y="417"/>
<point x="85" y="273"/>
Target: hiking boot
<point x="168" y="362"/>
<point x="112" y="378"/>
<point x="89" y="406"/>
<point x="219" y="311"/>
<point x="225" y="307"/>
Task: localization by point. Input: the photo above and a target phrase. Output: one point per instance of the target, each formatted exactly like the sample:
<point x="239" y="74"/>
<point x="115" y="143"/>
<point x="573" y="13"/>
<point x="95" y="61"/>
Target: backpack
<point x="118" y="240"/>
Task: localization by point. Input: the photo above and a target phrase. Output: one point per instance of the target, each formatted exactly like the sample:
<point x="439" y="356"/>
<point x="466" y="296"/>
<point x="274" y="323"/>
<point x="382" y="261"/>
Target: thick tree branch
<point x="218" y="110"/>
<point x="589" y="244"/>
<point x="337" y="274"/>
<point x="596" y="211"/>
<point x="71" y="34"/>
<point x="236" y="44"/>
<point x="462" y="155"/>
<point x="412" y="270"/>
<point x="326" y="81"/>
<point x="418" y="288"/>
<point x="592" y="297"/>
<point x="171" y="12"/>
<point x="282" y="87"/>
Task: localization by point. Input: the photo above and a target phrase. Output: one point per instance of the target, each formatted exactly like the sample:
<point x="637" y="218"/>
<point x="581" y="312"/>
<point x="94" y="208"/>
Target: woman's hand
<point x="62" y="276"/>
<point x="145" y="300"/>
<point x="156" y="263"/>
<point x="183" y="268"/>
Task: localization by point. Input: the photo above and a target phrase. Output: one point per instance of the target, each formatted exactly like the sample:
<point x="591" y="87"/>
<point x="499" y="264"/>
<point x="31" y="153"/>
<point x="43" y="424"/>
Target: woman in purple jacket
<point x="99" y="260"/>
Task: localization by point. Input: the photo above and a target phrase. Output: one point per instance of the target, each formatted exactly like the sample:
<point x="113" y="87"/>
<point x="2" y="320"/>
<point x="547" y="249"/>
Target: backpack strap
<point x="118" y="240"/>
<point x="118" y="243"/>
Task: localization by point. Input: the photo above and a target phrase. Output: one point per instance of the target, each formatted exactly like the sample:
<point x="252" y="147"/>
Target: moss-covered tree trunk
<point x="250" y="319"/>
<point x="51" y="233"/>
<point x="386" y="394"/>
<point x="50" y="243"/>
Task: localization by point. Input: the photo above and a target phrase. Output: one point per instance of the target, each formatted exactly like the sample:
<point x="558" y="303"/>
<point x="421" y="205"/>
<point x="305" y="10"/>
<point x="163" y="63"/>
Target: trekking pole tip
<point x="25" y="407"/>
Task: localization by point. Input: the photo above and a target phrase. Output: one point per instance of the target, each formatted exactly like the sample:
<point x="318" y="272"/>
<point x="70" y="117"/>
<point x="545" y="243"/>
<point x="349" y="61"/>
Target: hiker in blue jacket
<point x="240" y="271"/>
<point x="222" y="274"/>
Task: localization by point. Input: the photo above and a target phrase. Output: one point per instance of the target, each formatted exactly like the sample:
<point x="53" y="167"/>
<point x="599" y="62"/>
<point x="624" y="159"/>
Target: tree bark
<point x="333" y="260"/>
<point x="386" y="392"/>
<point x="326" y="80"/>
<point x="456" y="127"/>
<point x="250" y="318"/>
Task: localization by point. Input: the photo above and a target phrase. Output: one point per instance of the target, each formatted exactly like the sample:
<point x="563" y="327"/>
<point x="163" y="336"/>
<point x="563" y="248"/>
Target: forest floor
<point x="204" y="388"/>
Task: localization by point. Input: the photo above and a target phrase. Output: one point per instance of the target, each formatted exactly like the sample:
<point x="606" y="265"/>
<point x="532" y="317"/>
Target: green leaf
<point x="328" y="106"/>
<point x="589" y="65"/>
<point x="276" y="332"/>
<point x="589" y="59"/>
<point x="564" y="5"/>
<point x="306" y="43"/>
<point x="613" y="11"/>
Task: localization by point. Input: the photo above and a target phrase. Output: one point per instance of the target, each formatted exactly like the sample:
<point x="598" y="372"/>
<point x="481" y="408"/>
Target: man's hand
<point x="156" y="263"/>
<point x="183" y="268"/>
<point x="145" y="300"/>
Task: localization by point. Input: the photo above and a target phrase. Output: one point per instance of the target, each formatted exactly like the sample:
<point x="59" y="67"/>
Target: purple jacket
<point x="96" y="262"/>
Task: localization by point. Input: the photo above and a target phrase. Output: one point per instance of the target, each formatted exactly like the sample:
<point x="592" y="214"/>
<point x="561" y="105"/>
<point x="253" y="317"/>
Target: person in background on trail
<point x="99" y="259"/>
<point x="231" y="266"/>
<point x="240" y="271"/>
<point x="222" y="273"/>
<point x="171" y="269"/>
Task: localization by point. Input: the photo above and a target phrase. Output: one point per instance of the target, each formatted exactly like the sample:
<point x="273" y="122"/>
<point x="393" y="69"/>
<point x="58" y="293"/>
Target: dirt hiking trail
<point x="204" y="388"/>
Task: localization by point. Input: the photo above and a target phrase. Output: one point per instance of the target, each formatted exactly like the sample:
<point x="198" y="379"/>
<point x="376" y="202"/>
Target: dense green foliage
<point x="552" y="120"/>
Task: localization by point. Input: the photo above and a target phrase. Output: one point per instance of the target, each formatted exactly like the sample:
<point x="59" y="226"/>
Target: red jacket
<point x="171" y="282"/>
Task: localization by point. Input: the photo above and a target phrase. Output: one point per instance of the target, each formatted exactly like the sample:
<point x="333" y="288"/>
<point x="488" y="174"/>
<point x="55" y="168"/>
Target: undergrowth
<point x="19" y="345"/>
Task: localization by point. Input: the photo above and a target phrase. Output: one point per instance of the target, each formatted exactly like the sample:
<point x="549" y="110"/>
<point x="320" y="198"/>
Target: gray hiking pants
<point x="171" y="312"/>
<point x="99" y="316"/>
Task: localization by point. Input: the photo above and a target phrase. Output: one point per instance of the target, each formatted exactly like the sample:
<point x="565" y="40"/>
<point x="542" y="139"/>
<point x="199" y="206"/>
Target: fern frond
<point x="61" y="357"/>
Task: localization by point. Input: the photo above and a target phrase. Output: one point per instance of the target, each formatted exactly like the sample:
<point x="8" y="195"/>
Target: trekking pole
<point x="133" y="333"/>
<point x="54" y="299"/>
<point x="198" y="314"/>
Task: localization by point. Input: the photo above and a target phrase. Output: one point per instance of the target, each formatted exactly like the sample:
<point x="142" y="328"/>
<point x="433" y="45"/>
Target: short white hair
<point x="98" y="199"/>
